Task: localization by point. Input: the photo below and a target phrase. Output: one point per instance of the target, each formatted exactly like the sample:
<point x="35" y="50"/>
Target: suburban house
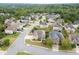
<point x="57" y="27"/>
<point x="11" y="28"/>
<point x="60" y="21"/>
<point x="76" y="22"/>
<point x="39" y="34"/>
<point x="74" y="38"/>
<point x="2" y="14"/>
<point x="56" y="36"/>
<point x="75" y="26"/>
<point x="70" y="28"/>
<point x="43" y="25"/>
<point x="51" y="20"/>
<point x="24" y="19"/>
<point x="14" y="25"/>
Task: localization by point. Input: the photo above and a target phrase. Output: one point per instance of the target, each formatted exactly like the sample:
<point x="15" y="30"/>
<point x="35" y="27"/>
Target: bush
<point x="6" y="42"/>
<point x="2" y="34"/>
<point x="66" y="44"/>
<point x="73" y="45"/>
<point x="49" y="43"/>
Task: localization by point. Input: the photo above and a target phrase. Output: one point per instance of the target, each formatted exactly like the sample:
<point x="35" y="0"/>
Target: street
<point x="18" y="43"/>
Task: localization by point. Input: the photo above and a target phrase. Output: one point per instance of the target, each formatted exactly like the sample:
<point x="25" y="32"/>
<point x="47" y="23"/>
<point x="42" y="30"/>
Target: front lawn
<point x="38" y="43"/>
<point x="11" y="38"/>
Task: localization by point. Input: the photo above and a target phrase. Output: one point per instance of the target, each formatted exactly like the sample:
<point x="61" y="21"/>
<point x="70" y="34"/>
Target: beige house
<point x="13" y="26"/>
<point x="39" y="34"/>
<point x="57" y="27"/>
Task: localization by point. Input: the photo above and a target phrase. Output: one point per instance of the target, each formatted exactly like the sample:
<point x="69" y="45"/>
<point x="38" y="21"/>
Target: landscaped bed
<point x="23" y="53"/>
<point x="11" y="38"/>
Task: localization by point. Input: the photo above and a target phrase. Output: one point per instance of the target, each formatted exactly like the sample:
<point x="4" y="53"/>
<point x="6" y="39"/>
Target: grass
<point x="36" y="43"/>
<point x="23" y="53"/>
<point x="11" y="37"/>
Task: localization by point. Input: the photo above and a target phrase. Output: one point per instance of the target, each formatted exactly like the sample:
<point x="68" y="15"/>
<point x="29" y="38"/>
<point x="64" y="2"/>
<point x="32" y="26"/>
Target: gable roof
<point x="40" y="34"/>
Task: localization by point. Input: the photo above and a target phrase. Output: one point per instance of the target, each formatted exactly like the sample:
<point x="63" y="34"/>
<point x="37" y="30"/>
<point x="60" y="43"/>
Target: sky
<point x="39" y="1"/>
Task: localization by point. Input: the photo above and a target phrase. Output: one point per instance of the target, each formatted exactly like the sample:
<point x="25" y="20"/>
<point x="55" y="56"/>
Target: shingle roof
<point x="56" y="35"/>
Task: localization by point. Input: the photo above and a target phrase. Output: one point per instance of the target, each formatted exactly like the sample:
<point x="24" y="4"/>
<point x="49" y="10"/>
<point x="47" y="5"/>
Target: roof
<point x="70" y="26"/>
<point x="43" y="23"/>
<point x="56" y="35"/>
<point x="76" y="22"/>
<point x="40" y="33"/>
<point x="75" y="37"/>
<point x="11" y="28"/>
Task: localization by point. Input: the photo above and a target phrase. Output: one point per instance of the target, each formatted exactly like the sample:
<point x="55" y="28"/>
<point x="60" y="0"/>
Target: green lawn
<point x="23" y="53"/>
<point x="11" y="37"/>
<point x="36" y="43"/>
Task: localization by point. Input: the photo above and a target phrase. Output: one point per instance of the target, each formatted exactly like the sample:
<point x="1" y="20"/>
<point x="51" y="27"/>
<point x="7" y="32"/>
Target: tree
<point x="2" y="34"/>
<point x="6" y="42"/>
<point x="65" y="33"/>
<point x="2" y="27"/>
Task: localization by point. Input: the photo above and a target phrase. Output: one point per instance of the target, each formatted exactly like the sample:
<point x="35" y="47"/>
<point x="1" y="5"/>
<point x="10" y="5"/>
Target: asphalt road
<point x="18" y="43"/>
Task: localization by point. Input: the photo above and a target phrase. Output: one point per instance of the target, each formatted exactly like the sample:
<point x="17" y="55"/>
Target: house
<point x="8" y="22"/>
<point x="43" y="25"/>
<point x="57" y="15"/>
<point x="60" y="21"/>
<point x="56" y="36"/>
<point x="11" y="29"/>
<point x="76" y="22"/>
<point x="69" y="28"/>
<point x="24" y="19"/>
<point x="57" y="27"/>
<point x="39" y="34"/>
<point x="19" y="25"/>
<point x="51" y="20"/>
<point x="13" y="26"/>
<point x="75" y="26"/>
<point x="74" y="38"/>
<point x="2" y="14"/>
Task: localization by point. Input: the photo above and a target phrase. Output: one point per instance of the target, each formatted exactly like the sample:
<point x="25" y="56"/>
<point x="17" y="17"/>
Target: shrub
<point x="66" y="44"/>
<point x="6" y="42"/>
<point x="49" y="43"/>
<point x="73" y="45"/>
